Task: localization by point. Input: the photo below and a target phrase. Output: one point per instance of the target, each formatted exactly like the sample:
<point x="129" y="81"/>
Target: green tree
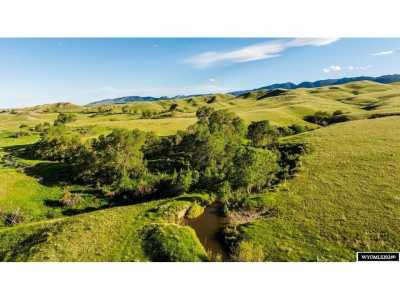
<point x="261" y="133"/>
<point x="211" y="143"/>
<point x="253" y="168"/>
<point x="126" y="109"/>
<point x="224" y="193"/>
<point x="58" y="143"/>
<point x="116" y="156"/>
<point x="173" y="107"/>
<point x="64" y="118"/>
<point x="184" y="180"/>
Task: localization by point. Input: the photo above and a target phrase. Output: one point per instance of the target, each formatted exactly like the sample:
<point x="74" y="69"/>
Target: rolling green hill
<point x="358" y="100"/>
<point x="344" y="199"/>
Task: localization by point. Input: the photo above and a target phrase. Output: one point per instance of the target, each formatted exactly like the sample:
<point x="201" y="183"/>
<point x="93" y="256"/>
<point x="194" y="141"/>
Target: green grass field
<point x="360" y="100"/>
<point x="345" y="198"/>
<point x="113" y="234"/>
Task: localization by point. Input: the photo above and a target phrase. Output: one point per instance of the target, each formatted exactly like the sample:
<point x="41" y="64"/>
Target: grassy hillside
<point x="345" y="199"/>
<point x="115" y="234"/>
<point x="358" y="99"/>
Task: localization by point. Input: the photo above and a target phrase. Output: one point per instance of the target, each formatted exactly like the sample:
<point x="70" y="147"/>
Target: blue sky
<point x="37" y="71"/>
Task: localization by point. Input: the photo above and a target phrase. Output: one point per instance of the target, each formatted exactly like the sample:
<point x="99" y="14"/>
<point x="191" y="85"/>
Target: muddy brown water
<point x="207" y="227"/>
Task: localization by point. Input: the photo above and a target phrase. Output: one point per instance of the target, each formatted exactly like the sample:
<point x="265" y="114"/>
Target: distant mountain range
<point x="321" y="83"/>
<point x="286" y="85"/>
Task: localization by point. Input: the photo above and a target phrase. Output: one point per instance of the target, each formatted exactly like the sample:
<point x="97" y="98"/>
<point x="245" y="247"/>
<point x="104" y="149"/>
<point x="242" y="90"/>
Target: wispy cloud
<point x="255" y="52"/>
<point x="332" y="69"/>
<point x="336" y="68"/>
<point x="388" y="52"/>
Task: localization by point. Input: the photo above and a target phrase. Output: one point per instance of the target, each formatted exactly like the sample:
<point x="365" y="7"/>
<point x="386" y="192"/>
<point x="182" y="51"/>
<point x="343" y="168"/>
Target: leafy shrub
<point x="324" y="118"/>
<point x="321" y="118"/>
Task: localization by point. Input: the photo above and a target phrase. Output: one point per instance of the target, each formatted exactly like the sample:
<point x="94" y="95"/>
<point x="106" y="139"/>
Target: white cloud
<point x="255" y="52"/>
<point x="333" y="68"/>
<point x="211" y="80"/>
<point x="385" y="52"/>
<point x="360" y="68"/>
<point x="336" y="68"/>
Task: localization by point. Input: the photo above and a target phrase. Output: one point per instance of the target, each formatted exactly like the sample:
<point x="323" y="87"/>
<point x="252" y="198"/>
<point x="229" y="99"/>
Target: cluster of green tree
<point x="150" y="114"/>
<point x="324" y="118"/>
<point x="42" y="127"/>
<point x="64" y="118"/>
<point x="57" y="143"/>
<point x="105" y="109"/>
<point x="218" y="154"/>
<point x="262" y="133"/>
<point x="143" y="114"/>
<point x="128" y="109"/>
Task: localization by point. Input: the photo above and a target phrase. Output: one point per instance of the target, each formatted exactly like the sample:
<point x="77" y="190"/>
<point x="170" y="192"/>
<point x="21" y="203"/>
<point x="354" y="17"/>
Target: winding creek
<point x="207" y="227"/>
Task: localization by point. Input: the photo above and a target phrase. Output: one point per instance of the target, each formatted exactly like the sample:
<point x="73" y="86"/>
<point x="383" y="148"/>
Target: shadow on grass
<point x="77" y="211"/>
<point x="20" y="151"/>
<point x="50" y="173"/>
<point x="53" y="203"/>
<point x="71" y="211"/>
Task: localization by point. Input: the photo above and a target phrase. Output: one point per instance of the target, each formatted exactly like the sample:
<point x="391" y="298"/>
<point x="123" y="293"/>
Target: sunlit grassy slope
<point x="35" y="190"/>
<point x="114" y="234"/>
<point x="357" y="99"/>
<point x="345" y="199"/>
